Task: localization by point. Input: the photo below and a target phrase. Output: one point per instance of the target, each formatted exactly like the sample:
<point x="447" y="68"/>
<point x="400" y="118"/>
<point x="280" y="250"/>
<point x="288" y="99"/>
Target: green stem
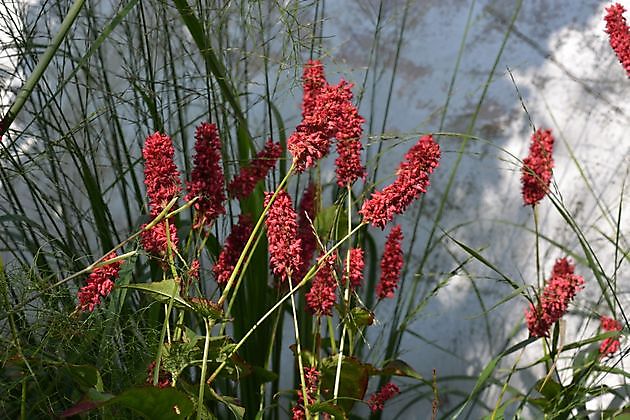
<point x="204" y="367"/>
<point x="296" y="330"/>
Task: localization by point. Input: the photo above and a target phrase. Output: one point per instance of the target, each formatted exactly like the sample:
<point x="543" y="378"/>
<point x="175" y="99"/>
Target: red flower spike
<point x="161" y="176"/>
<point x="619" y="34"/>
<point x="412" y="180"/>
<point x="284" y="245"/>
<point x="610" y="345"/>
<point x="100" y="283"/>
<point x="243" y="184"/>
<point x="234" y="245"/>
<point x="206" y="179"/>
<point x="387" y="392"/>
<point x="313" y="81"/>
<point x="305" y="230"/>
<point x="154" y="240"/>
<point x="559" y="291"/>
<point x="321" y="298"/>
<point x="391" y="264"/>
<point x="357" y="264"/>
<point x="537" y="168"/>
<point x="311" y="379"/>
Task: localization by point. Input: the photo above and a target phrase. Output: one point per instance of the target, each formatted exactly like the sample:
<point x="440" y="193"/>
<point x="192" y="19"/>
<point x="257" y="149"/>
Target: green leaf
<point x="161" y="291"/>
<point x="330" y="408"/>
<point x="353" y="380"/>
<point x="400" y="368"/>
<point x="230" y="402"/>
<point x="549" y="388"/>
<point x="156" y="403"/>
<point x="86" y="376"/>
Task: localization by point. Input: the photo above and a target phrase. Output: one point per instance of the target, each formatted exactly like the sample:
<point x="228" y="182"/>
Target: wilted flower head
<point x="100" y="283"/>
<point x="559" y="291"/>
<point x="387" y="392"/>
<point x="412" y="180"/>
<point x="619" y="34"/>
<point x="206" y="179"/>
<point x="321" y="298"/>
<point x="244" y="183"/>
<point x="391" y="264"/>
<point x="610" y="345"/>
<point x="284" y="245"/>
<point x="234" y="245"/>
<point x="537" y="167"/>
<point x="161" y="176"/>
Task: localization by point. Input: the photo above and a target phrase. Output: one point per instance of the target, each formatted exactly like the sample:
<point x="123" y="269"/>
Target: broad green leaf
<point x="549" y="388"/>
<point x="230" y="402"/>
<point x="330" y="408"/>
<point x="86" y="376"/>
<point x="400" y="368"/>
<point x="353" y="380"/>
<point x="156" y="403"/>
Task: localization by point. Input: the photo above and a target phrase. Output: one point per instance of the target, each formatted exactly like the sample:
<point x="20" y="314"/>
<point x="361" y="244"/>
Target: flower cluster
<point x="234" y="245"/>
<point x="537" y="168"/>
<point x="311" y="379"/>
<point x="305" y="230"/>
<point x="560" y="290"/>
<point x="356" y="264"/>
<point x="206" y="179"/>
<point x="155" y="241"/>
<point x="327" y="111"/>
<point x="244" y="183"/>
<point x="391" y="264"/>
<point x="378" y="399"/>
<point x="165" y="379"/>
<point x="100" y="282"/>
<point x="610" y="345"/>
<point x="285" y="247"/>
<point x="321" y="298"/>
<point x="412" y="180"/>
<point x="161" y="176"/>
<point x="619" y="34"/>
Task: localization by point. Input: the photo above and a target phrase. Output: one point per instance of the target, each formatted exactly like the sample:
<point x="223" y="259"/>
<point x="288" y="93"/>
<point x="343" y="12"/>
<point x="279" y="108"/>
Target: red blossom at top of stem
<point x="313" y="81"/>
<point x="357" y="264"/>
<point x="244" y="183"/>
<point x="378" y="399"/>
<point x="206" y="179"/>
<point x="413" y="180"/>
<point x="610" y="345"/>
<point x="391" y="264"/>
<point x="311" y="380"/>
<point x="161" y="176"/>
<point x="559" y="291"/>
<point x="154" y="240"/>
<point x="284" y="245"/>
<point x="234" y="245"/>
<point x="321" y="298"/>
<point x="100" y="282"/>
<point x="619" y="34"/>
<point x="306" y="217"/>
<point x="537" y="168"/>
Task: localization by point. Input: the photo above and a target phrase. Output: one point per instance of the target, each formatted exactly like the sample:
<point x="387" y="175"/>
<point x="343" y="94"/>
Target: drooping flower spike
<point x="100" y="283"/>
<point x="244" y="183"/>
<point x="619" y="34"/>
<point x="559" y="291"/>
<point x="234" y="245"/>
<point x="391" y="264"/>
<point x="378" y="399"/>
<point x="412" y="180"/>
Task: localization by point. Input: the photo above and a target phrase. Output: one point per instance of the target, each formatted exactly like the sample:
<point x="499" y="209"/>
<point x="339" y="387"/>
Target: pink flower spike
<point x="313" y="81"/>
<point x="206" y="179"/>
<point x="161" y="176"/>
<point x="311" y="379"/>
<point x="619" y="34"/>
<point x="306" y="216"/>
<point x="234" y="245"/>
<point x="391" y="264"/>
<point x="100" y="283"/>
<point x="321" y="298"/>
<point x="243" y="184"/>
<point x="536" y="171"/>
<point x="559" y="291"/>
<point x="412" y="181"/>
<point x="387" y="392"/>
<point x="154" y="240"/>
<point x="284" y="245"/>
<point x="610" y="345"/>
<point x="357" y="264"/>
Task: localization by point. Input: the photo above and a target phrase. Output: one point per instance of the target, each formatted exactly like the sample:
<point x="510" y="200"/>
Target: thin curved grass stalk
<point x="296" y="330"/>
<point x="505" y="386"/>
